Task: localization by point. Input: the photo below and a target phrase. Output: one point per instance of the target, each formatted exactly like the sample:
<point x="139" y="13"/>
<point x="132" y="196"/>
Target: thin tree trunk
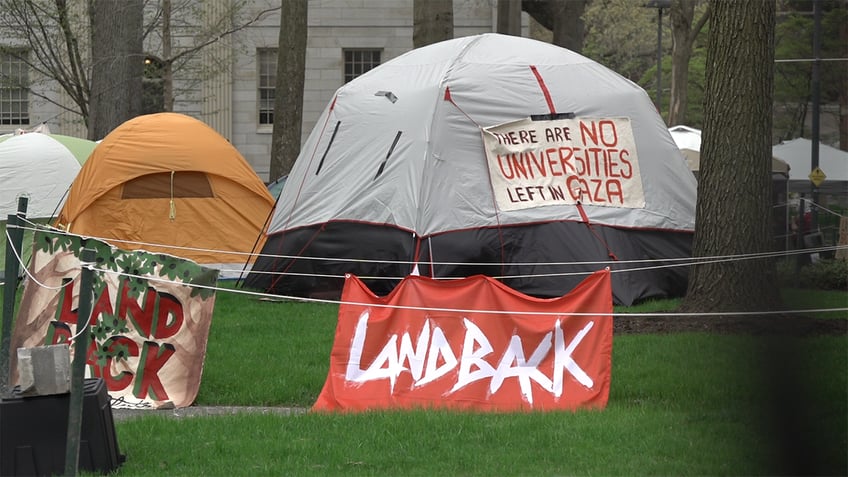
<point x="117" y="64"/>
<point x="682" y="14"/>
<point x="167" y="64"/>
<point x="843" y="91"/>
<point x="509" y="17"/>
<point x="432" y="21"/>
<point x="288" y="99"/>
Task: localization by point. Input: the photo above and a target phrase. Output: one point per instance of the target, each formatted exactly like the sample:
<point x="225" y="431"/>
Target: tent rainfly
<point x="488" y="154"/>
<point x="168" y="183"/>
<point x="41" y="167"/>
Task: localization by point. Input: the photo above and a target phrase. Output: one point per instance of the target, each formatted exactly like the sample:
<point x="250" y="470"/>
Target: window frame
<point x="266" y="79"/>
<point x="358" y="61"/>
<point x="14" y="99"/>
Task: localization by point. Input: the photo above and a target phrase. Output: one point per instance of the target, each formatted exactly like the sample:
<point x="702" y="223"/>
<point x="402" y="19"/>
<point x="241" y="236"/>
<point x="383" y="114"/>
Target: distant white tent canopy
<point x="798" y="152"/>
<point x="833" y="162"/>
<point x="689" y="141"/>
<point x="41" y="167"/>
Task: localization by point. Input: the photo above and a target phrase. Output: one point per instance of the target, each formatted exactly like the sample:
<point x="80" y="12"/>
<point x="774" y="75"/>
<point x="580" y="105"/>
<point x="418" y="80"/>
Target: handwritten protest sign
<point x="413" y="349"/>
<point x="150" y="317"/>
<point x="563" y="161"/>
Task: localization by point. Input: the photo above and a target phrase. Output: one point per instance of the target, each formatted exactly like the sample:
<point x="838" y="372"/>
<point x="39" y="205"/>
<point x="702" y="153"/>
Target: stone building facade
<point x="229" y="83"/>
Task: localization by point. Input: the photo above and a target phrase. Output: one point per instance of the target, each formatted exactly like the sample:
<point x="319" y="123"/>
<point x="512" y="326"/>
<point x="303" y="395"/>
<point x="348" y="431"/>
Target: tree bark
<point x="734" y="190"/>
<point x="563" y="17"/>
<point x="843" y="91"/>
<point x="117" y="64"/>
<point x="288" y="99"/>
<point x="167" y="64"/>
<point x="509" y="17"/>
<point x="682" y="14"/>
<point x="432" y="21"/>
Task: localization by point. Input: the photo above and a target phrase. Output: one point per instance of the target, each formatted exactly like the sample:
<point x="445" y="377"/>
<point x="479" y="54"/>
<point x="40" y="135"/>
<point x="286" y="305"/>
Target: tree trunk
<point x="843" y="91"/>
<point x="509" y="17"/>
<point x="288" y="99"/>
<point x="117" y="64"/>
<point x="563" y="17"/>
<point x="734" y="190"/>
<point x="432" y="21"/>
<point x="167" y="64"/>
<point x="683" y="34"/>
<point x="682" y="14"/>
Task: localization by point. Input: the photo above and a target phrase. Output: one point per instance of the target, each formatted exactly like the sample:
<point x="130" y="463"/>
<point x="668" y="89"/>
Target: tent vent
<point x="162" y="185"/>
<point x="551" y="116"/>
<point x="332" y="138"/>
<point x="383" y="164"/>
<point x="387" y="94"/>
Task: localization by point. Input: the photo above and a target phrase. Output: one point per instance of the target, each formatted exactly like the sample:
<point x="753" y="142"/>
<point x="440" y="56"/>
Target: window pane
<point x="266" y="59"/>
<point x="358" y="62"/>
<point x="14" y="97"/>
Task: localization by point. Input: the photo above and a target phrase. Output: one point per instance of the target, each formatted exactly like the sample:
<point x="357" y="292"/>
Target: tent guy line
<point x="681" y="262"/>
<point x="276" y="297"/>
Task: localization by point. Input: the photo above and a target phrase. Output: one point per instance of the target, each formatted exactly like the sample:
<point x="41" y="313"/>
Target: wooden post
<point x="10" y="290"/>
<point x="78" y="365"/>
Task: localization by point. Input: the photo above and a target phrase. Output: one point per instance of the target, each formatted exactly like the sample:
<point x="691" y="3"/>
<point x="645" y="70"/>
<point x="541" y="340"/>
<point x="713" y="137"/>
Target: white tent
<point x="41" y="167"/>
<point x="481" y="155"/>
<point x="798" y="154"/>
<point x="833" y="162"/>
<point x="689" y="141"/>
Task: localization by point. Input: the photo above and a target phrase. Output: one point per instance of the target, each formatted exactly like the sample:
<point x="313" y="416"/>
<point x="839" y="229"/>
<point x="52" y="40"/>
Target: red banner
<point x="472" y="343"/>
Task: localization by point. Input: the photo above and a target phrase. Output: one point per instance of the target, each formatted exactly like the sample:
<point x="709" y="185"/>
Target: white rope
<point x="813" y="204"/>
<point x="29" y="275"/>
<point x="681" y="261"/>
<point x="466" y="310"/>
<point x="86" y="266"/>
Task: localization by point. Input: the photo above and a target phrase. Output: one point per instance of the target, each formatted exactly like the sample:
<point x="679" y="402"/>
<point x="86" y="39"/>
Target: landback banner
<point x="150" y="317"/>
<point x="533" y="163"/>
<point x="471" y="343"/>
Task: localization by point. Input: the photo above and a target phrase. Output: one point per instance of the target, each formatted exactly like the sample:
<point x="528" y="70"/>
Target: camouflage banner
<point x="149" y="322"/>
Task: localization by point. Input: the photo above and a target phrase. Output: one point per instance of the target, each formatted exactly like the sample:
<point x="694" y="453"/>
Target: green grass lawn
<point x="686" y="404"/>
<point x="680" y="404"/>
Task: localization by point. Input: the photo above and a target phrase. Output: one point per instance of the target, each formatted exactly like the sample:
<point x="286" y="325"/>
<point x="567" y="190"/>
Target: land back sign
<point x="564" y="161"/>
<point x="471" y="343"/>
<point x="149" y="324"/>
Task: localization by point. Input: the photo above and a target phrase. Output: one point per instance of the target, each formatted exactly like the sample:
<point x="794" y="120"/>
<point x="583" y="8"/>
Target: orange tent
<point x="168" y="183"/>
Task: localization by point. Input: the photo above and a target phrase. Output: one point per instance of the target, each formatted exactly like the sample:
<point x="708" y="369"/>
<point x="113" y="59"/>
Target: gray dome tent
<point x="481" y="155"/>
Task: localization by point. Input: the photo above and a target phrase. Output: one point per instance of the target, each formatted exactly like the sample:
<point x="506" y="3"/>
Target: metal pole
<point x="80" y="345"/>
<point x="10" y="290"/>
<point x="816" y="80"/>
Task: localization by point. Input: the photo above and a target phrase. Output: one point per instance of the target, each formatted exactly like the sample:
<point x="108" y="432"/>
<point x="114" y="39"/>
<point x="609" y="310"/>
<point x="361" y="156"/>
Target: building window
<point x="14" y="98"/>
<point x="267" y="59"/>
<point x="358" y="62"/>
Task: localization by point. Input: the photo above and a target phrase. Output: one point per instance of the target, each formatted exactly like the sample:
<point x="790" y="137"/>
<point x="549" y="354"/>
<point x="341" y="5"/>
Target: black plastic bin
<point x="33" y="433"/>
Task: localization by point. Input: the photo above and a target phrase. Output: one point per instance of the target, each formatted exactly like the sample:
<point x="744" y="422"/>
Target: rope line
<point x="681" y="261"/>
<point x="26" y="269"/>
<point x="468" y="310"/>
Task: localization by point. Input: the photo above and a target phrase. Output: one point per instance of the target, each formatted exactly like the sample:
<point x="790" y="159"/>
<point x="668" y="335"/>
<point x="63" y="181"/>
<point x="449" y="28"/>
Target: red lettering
<point x="169" y="316"/>
<point x="141" y="316"/>
<point x="618" y="192"/>
<point x="69" y="314"/>
<point x="112" y="346"/>
<point x="153" y="358"/>
<point x="507" y="175"/>
<point x="609" y="135"/>
<point x="623" y="156"/>
<point x="565" y="155"/>
<point x="603" y="132"/>
<point x="576" y="187"/>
